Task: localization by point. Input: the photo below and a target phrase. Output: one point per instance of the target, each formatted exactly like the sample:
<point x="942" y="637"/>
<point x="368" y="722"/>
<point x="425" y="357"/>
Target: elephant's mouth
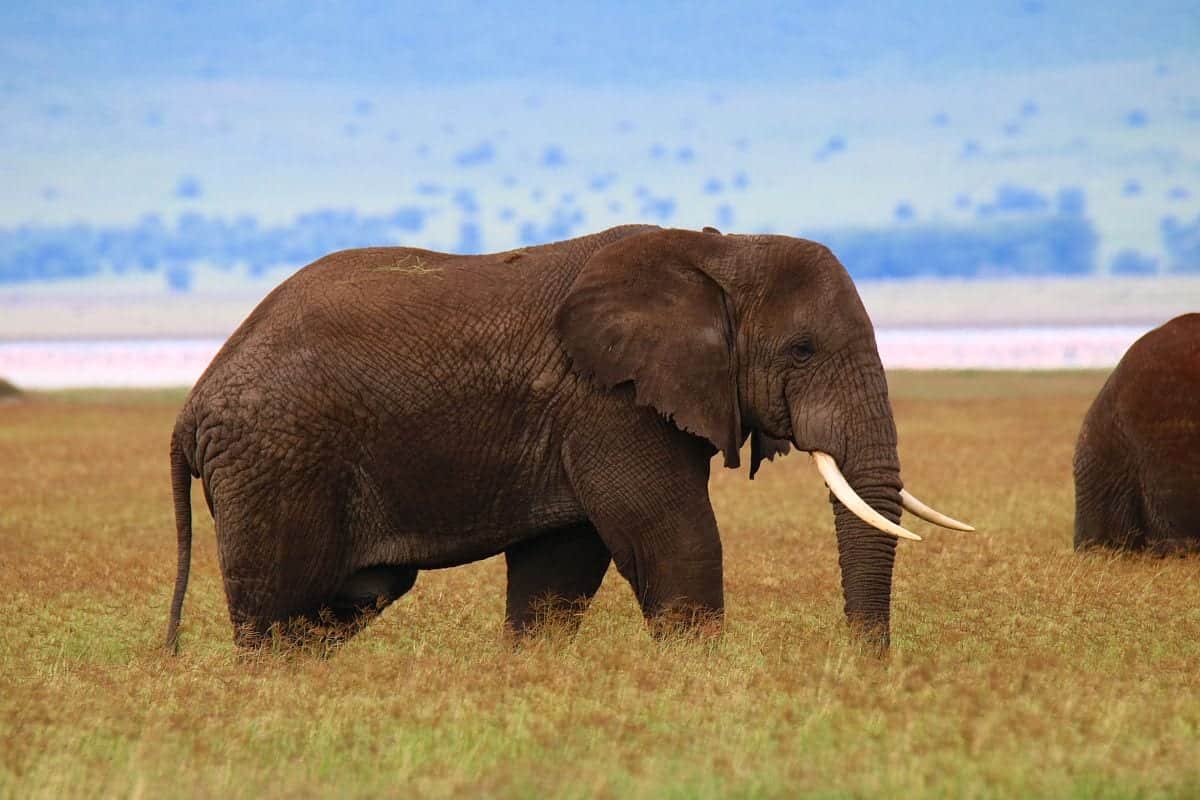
<point x="837" y="483"/>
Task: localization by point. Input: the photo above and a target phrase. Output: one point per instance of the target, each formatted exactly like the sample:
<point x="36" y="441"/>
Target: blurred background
<point x="1012" y="184"/>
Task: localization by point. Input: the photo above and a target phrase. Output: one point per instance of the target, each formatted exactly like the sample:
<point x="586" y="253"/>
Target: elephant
<point x="388" y="410"/>
<point x="1137" y="459"/>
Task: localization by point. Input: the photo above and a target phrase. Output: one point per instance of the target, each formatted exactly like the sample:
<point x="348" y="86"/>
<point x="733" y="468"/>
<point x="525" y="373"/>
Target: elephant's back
<point x="371" y="323"/>
<point x="354" y="341"/>
<point x="1158" y="381"/>
<point x="387" y="294"/>
<point x="283" y="365"/>
<point x="373" y="294"/>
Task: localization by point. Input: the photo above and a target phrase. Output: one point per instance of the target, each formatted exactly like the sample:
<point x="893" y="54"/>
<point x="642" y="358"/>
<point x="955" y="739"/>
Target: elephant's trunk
<point x="871" y="466"/>
<point x="866" y="555"/>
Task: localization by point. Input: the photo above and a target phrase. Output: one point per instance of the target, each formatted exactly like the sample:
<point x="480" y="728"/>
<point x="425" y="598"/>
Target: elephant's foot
<point x="548" y="616"/>
<point x="1176" y="547"/>
<point x="687" y="620"/>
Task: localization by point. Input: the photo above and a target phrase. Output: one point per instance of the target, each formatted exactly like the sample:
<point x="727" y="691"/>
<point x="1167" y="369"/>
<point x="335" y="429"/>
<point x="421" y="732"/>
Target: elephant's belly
<point x="446" y="529"/>
<point x="424" y="549"/>
<point x="434" y="492"/>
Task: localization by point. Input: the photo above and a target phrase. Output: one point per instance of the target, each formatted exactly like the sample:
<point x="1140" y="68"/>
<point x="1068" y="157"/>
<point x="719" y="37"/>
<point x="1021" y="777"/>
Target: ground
<point x="1018" y="668"/>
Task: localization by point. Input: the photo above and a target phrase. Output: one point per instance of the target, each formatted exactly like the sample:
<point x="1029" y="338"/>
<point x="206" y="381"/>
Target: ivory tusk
<point x="916" y="507"/>
<point x="856" y="505"/>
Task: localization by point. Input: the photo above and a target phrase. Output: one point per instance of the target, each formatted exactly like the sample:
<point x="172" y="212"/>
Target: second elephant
<point x="1137" y="461"/>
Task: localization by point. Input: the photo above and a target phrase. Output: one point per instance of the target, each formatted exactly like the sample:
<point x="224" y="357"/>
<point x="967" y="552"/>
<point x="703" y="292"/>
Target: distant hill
<point x="1058" y="241"/>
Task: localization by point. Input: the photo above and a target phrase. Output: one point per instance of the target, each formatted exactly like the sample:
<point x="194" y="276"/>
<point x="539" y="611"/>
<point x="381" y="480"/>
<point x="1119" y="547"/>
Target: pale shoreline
<point x="175" y="362"/>
<point x="79" y="314"/>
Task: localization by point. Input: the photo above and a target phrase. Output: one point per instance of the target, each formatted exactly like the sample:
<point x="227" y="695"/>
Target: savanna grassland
<point x="1018" y="668"/>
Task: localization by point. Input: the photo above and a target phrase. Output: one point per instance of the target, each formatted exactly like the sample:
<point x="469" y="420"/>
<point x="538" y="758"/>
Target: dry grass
<point x="1018" y="668"/>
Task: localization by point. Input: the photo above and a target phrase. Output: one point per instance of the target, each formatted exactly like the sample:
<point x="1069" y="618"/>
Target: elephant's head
<point x="762" y="336"/>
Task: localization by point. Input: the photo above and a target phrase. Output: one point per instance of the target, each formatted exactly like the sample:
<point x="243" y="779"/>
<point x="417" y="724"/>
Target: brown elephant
<point x="388" y="410"/>
<point x="1137" y="461"/>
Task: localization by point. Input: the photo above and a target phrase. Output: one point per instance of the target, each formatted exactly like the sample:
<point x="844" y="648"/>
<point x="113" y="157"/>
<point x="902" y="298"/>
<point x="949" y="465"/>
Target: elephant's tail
<point x="181" y="490"/>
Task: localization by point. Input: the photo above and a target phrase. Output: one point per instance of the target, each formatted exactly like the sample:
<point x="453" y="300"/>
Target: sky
<point x="157" y="140"/>
<point x="372" y="44"/>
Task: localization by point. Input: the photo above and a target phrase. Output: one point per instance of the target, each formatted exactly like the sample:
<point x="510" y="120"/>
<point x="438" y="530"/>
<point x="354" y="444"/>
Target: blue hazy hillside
<point x="1058" y="242"/>
<point x="1026" y="139"/>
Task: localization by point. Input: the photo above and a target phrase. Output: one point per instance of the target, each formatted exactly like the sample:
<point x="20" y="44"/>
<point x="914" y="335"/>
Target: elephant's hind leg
<point x="284" y="563"/>
<point x="370" y="590"/>
<point x="1108" y="509"/>
<point x="553" y="578"/>
<point x="315" y="615"/>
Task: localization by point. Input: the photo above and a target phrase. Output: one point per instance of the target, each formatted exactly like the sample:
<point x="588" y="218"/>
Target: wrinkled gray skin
<point x="390" y="410"/>
<point x="1137" y="461"/>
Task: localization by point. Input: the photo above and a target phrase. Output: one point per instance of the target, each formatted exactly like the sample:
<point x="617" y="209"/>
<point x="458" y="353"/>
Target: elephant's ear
<point x="764" y="448"/>
<point x="642" y="309"/>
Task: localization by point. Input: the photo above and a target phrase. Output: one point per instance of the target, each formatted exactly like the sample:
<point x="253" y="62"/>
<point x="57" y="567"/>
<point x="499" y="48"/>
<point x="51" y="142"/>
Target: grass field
<point x="1018" y="668"/>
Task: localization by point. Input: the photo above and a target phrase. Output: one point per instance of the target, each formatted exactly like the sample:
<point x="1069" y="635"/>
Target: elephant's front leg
<point x="552" y="578"/>
<point x="646" y="491"/>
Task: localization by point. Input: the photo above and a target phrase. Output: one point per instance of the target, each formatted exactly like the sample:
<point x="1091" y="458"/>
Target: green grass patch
<point x="1018" y="668"/>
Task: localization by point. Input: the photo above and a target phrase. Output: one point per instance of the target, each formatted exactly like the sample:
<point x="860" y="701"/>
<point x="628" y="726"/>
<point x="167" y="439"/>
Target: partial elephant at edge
<point x="1137" y="460"/>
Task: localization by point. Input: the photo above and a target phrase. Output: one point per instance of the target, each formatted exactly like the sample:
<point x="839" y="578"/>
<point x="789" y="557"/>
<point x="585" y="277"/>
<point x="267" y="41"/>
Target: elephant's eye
<point x="802" y="349"/>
